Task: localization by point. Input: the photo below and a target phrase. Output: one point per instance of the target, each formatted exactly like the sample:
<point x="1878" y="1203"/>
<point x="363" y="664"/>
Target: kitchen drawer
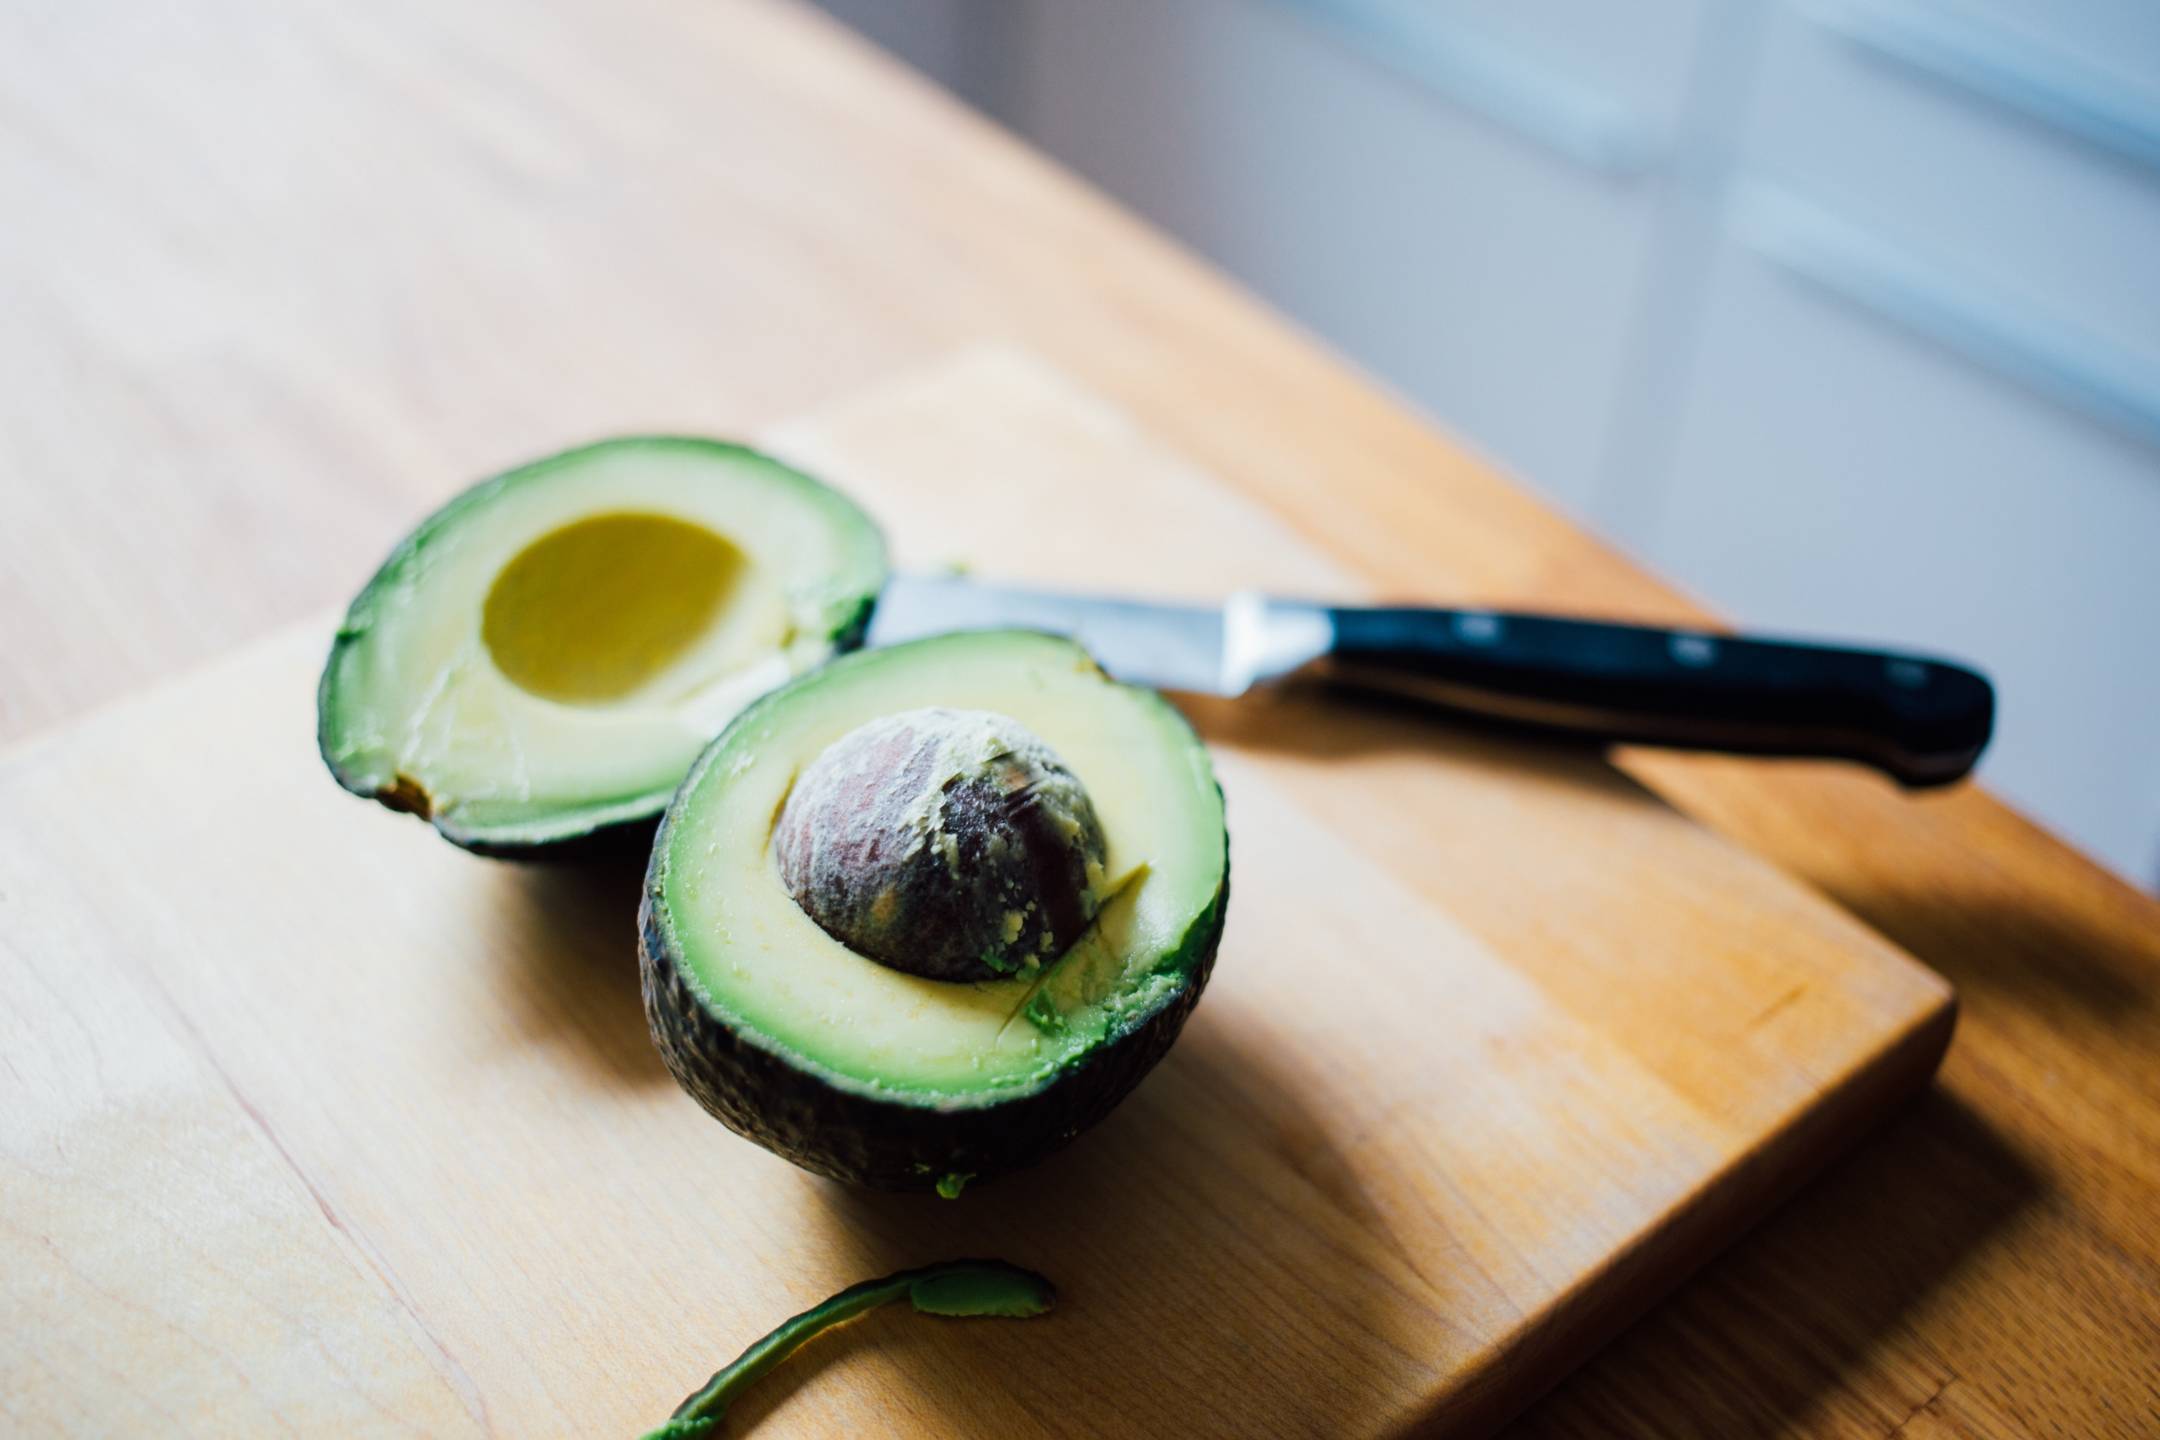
<point x="1639" y="56"/>
<point x="2120" y="36"/>
<point x="1488" y="277"/>
<point x="1974" y="134"/>
<point x="1836" y="471"/>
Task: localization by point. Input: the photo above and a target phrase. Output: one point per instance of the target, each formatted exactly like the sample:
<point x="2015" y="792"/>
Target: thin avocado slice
<point x="957" y="1289"/>
<point x="537" y="665"/>
<point x="775" y="1014"/>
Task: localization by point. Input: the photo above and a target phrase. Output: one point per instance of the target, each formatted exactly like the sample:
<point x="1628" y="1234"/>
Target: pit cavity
<point x="597" y="611"/>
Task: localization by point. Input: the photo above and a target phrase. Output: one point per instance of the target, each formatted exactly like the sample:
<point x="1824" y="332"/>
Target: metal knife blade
<point x="1200" y="649"/>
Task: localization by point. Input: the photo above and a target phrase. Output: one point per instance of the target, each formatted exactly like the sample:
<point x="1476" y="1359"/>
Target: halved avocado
<point x="855" y="1068"/>
<point x="537" y="665"/>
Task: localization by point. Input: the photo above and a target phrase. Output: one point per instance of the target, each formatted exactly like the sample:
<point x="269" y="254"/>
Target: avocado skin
<point x="620" y="841"/>
<point x="892" y="1144"/>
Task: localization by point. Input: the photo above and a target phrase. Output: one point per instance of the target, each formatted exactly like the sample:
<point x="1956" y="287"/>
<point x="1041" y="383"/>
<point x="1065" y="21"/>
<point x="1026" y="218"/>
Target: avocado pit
<point x="949" y="844"/>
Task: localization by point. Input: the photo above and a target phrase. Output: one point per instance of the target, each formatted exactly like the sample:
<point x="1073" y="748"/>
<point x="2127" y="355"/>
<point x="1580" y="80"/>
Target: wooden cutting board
<point x="313" y="1123"/>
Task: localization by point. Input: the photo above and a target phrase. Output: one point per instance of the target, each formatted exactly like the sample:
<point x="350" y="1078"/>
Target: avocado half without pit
<point x="924" y="914"/>
<point x="537" y="665"/>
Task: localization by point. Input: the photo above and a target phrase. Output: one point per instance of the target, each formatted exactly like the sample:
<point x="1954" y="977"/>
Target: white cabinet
<point x="1489" y="278"/>
<point x="1844" y="312"/>
<point x="1923" y="396"/>
<point x="1899" y="127"/>
<point x="1835" y="472"/>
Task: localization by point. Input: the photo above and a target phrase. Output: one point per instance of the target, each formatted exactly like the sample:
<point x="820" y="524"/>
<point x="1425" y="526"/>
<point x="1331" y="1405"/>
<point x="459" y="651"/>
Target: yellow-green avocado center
<point x="596" y="612"/>
<point x="951" y="844"/>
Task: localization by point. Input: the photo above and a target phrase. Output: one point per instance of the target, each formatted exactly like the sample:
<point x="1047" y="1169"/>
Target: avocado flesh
<point x="545" y="656"/>
<point x="868" y="1073"/>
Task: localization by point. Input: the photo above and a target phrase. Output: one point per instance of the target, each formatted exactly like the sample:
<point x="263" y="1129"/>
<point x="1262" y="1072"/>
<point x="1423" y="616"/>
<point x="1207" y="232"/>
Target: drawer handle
<point x="2008" y="67"/>
<point x="2049" y="355"/>
<point x="1478" y="75"/>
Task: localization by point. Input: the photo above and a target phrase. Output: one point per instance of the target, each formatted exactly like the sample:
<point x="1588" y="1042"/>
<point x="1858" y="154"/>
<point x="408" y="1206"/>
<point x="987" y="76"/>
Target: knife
<point x="1919" y="719"/>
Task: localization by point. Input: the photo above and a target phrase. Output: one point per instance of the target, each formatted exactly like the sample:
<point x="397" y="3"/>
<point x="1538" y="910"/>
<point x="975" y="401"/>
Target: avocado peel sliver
<point x="954" y="1288"/>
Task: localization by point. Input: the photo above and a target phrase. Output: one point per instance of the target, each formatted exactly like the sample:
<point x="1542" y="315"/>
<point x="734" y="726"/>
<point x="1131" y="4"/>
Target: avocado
<point x="992" y="785"/>
<point x="536" y="666"/>
<point x="956" y="1289"/>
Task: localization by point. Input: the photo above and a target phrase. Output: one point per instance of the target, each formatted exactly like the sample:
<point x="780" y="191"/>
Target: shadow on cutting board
<point x="568" y="970"/>
<point x="1758" y="1344"/>
<point x="1208" y="1238"/>
<point x="1316" y="724"/>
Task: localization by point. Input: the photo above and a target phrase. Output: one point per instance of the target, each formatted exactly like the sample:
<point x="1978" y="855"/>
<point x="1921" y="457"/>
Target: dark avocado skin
<point x="890" y="1144"/>
<point x="619" y="841"/>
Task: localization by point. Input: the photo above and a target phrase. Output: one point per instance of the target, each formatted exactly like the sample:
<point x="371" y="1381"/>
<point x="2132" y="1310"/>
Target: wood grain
<point x="275" y="278"/>
<point x="1499" y="1046"/>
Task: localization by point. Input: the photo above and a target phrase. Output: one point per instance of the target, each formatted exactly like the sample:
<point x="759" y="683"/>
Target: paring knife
<point x="1921" y="720"/>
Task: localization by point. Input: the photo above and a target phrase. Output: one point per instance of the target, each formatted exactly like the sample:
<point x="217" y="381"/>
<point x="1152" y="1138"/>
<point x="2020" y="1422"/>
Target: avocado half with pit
<point x="925" y="914"/>
<point x="537" y="665"/>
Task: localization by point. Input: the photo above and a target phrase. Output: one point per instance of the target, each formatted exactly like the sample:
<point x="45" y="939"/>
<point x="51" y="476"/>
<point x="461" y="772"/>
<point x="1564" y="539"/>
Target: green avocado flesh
<point x="547" y="654"/>
<point x="958" y="1289"/>
<point x="860" y="1070"/>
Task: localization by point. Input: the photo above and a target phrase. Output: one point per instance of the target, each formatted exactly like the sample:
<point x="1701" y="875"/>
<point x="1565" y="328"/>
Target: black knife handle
<point x="1921" y="720"/>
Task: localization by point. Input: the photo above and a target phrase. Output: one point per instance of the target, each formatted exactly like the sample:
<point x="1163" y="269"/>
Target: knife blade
<point x="1920" y="719"/>
<point x="1198" y="649"/>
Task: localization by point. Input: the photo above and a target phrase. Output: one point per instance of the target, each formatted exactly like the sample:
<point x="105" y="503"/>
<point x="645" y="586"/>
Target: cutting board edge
<point x="1520" y="1368"/>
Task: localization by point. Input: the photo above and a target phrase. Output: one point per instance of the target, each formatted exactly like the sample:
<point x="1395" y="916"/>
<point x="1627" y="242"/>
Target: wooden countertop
<point x="278" y="279"/>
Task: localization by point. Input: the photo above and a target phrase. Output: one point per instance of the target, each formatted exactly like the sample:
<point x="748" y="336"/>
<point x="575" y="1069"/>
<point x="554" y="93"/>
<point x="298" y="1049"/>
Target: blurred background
<point x="1845" y="316"/>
